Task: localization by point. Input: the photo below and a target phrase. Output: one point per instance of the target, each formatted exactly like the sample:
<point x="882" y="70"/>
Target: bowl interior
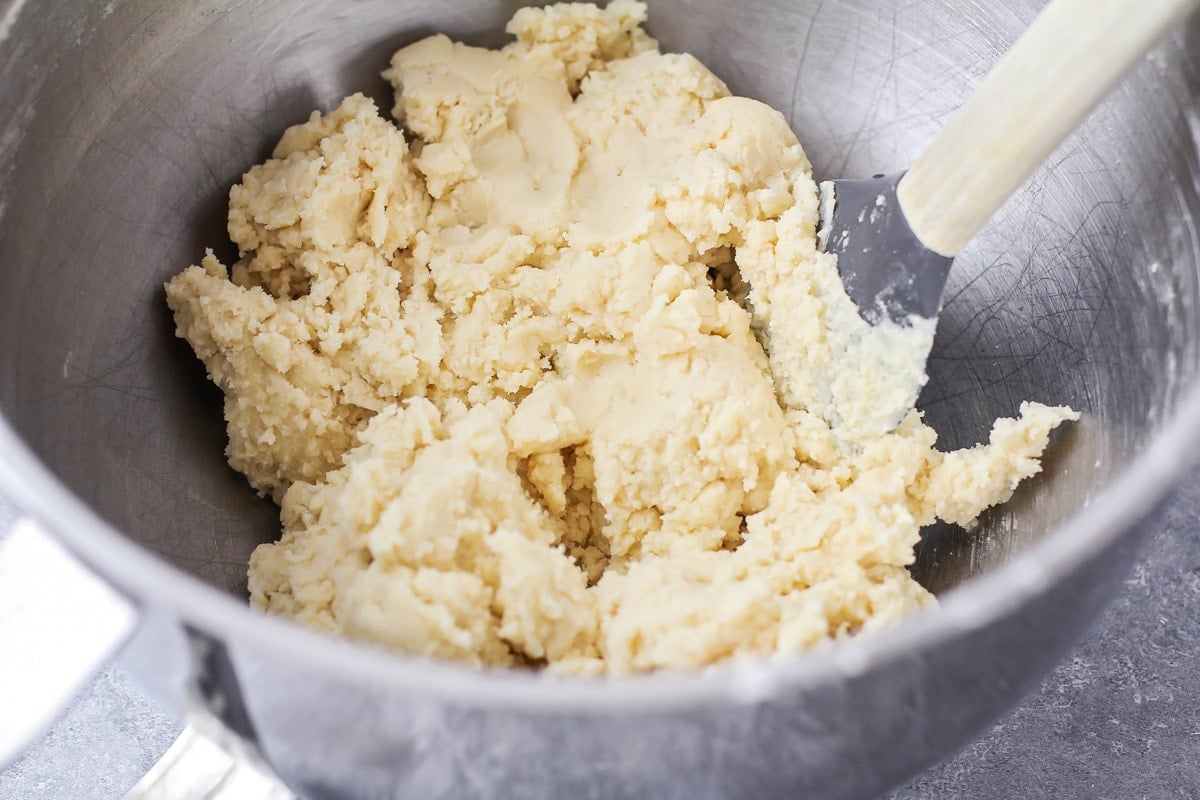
<point x="122" y="130"/>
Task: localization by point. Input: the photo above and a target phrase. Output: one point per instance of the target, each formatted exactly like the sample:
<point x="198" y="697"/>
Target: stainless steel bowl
<point x="122" y="126"/>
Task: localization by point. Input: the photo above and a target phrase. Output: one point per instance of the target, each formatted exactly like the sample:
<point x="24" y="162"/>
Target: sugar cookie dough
<point x="555" y="375"/>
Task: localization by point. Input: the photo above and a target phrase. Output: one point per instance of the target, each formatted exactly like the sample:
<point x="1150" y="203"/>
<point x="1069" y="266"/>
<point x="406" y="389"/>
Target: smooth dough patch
<point x="556" y="375"/>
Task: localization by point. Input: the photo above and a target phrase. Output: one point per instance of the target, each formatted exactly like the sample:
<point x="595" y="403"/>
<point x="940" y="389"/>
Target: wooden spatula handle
<point x="1051" y="79"/>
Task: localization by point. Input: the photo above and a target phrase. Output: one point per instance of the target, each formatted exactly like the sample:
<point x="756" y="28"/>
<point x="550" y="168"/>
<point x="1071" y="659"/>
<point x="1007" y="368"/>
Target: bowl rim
<point x="151" y="580"/>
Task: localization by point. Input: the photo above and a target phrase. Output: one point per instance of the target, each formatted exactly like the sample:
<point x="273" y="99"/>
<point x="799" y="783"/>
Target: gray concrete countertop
<point x="1118" y="720"/>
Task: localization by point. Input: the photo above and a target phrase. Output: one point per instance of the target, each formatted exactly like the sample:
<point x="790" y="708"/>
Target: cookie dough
<point x="552" y="372"/>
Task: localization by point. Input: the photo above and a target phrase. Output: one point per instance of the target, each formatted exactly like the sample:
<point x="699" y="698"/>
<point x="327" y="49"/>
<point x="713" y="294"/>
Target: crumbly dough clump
<point x="556" y="374"/>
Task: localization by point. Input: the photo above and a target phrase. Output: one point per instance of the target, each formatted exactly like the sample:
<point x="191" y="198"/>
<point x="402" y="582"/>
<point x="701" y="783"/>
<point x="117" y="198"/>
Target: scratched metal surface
<point x="1078" y="293"/>
<point x="125" y="123"/>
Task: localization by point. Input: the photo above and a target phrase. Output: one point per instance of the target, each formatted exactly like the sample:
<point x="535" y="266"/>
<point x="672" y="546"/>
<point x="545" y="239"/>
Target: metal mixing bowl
<point x="122" y="126"/>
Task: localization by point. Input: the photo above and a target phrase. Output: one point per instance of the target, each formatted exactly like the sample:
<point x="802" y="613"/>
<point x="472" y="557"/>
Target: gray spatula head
<point x="888" y="273"/>
<point x="895" y="281"/>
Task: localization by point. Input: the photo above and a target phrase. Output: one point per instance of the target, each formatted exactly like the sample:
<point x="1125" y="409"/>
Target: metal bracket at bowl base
<point x="58" y="624"/>
<point x="207" y="763"/>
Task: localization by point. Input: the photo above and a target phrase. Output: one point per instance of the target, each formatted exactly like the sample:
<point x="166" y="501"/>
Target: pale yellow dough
<point x="516" y="402"/>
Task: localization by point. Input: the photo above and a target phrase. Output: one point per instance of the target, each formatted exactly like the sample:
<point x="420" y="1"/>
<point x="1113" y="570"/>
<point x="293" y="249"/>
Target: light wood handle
<point x="1052" y="78"/>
